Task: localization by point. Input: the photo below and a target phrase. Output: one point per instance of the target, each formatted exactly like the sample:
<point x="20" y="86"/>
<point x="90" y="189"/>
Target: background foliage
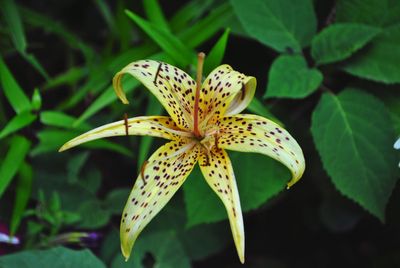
<point x="327" y="70"/>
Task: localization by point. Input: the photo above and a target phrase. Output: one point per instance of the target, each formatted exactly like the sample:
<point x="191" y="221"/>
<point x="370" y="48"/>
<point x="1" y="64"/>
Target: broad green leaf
<point x="204" y="240"/>
<point x="52" y="258"/>
<point x="17" y="122"/>
<point x="116" y="199"/>
<point x="164" y="247"/>
<point x="154" y="107"/>
<point x="279" y="24"/>
<point x="257" y="107"/>
<point x="290" y="77"/>
<point x="379" y="60"/>
<point x="36" y="100"/>
<point x="176" y="49"/>
<point x="155" y="14"/>
<point x="258" y="177"/>
<point x="23" y="193"/>
<point x="205" y="28"/>
<point x="16" y="154"/>
<point x="13" y="92"/>
<point x="338" y="41"/>
<point x="216" y="54"/>
<point x="371" y="12"/>
<point x="75" y="165"/>
<point x="93" y="215"/>
<point x="50" y="140"/>
<point x="354" y="137"/>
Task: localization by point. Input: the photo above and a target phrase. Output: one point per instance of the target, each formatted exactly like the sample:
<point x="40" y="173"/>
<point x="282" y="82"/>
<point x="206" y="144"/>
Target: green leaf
<point x="155" y="14"/>
<point x="204" y="240"/>
<point x="379" y="60"/>
<point x="13" y="92"/>
<point x="52" y="258"/>
<point x="36" y="100"/>
<point x="75" y="165"/>
<point x="191" y="11"/>
<point x="107" y="97"/>
<point x="53" y="26"/>
<point x="371" y="12"/>
<point x="279" y="24"/>
<point x="216" y="54"/>
<point x="164" y="247"/>
<point x="204" y="29"/>
<point x="18" y="149"/>
<point x="11" y="16"/>
<point x="16" y="29"/>
<point x="69" y="77"/>
<point x="258" y="177"/>
<point x="357" y="154"/>
<point x="17" y="122"/>
<point x="50" y="140"/>
<point x="107" y="14"/>
<point x="257" y="107"/>
<point x="176" y="49"/>
<point x="59" y="119"/>
<point x="289" y="77"/>
<point x="116" y="199"/>
<point x="93" y="215"/>
<point x="23" y="193"/>
<point x="338" y="41"/>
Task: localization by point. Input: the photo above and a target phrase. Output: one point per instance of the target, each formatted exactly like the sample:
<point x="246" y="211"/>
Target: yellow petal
<point x="156" y="126"/>
<point x="160" y="178"/>
<point x="225" y="92"/>
<point x="252" y="133"/>
<point x="173" y="87"/>
<point x="217" y="170"/>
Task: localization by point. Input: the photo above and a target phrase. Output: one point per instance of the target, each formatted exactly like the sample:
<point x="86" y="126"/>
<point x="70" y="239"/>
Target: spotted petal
<point x="173" y="87"/>
<point x="225" y="92"/>
<point x="156" y="126"/>
<point x="217" y="170"/>
<point x="160" y="178"/>
<point x="252" y="133"/>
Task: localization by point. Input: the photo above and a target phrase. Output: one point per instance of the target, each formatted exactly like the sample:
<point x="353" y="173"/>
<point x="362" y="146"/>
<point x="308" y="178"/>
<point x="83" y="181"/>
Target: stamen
<point x="126" y="124"/>
<point x="243" y="91"/>
<point x="200" y="62"/>
<point x="158" y="71"/>
<point x="142" y="171"/>
<point x="216" y="137"/>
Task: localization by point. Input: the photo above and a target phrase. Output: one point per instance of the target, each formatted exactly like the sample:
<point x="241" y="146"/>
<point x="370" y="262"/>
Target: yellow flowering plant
<point x="204" y="121"/>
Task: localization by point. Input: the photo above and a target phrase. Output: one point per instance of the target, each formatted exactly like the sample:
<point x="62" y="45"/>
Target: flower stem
<point x="200" y="62"/>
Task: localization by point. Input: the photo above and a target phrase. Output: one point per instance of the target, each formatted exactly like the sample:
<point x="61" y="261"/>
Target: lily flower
<point x="203" y="123"/>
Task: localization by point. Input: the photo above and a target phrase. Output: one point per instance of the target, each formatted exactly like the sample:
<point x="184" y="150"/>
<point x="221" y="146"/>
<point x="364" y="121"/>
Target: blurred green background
<point x="327" y="70"/>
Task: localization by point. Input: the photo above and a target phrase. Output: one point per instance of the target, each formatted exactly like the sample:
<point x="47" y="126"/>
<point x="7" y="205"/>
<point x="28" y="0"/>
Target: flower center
<point x="210" y="138"/>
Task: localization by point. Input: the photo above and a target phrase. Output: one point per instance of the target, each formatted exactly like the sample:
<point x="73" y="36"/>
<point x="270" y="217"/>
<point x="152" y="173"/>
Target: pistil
<point x="200" y="62"/>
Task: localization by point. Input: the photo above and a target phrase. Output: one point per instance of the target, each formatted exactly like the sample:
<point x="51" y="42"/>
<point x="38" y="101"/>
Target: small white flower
<point x="397" y="145"/>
